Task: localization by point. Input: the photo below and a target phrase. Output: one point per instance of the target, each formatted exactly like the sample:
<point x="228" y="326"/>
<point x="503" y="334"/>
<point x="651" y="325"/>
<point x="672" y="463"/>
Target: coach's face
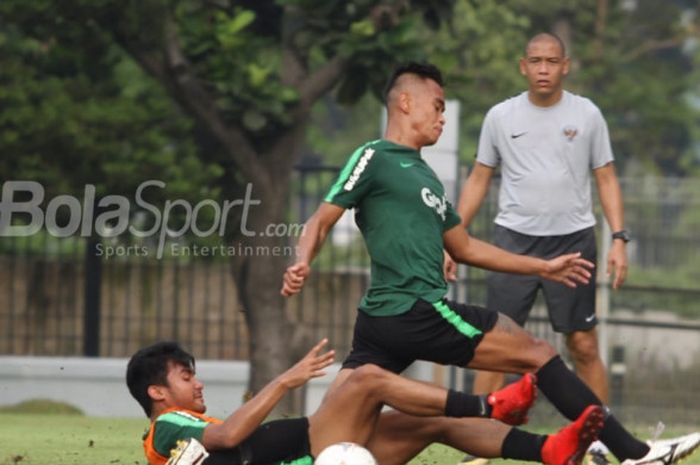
<point x="427" y="111"/>
<point x="545" y="66"/>
<point x="184" y="390"/>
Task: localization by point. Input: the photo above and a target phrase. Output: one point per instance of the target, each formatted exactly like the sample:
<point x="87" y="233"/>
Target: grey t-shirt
<point x="546" y="156"/>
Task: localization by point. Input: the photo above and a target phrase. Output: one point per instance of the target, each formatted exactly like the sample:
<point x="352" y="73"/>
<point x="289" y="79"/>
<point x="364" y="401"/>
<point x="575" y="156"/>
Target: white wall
<point x="97" y="385"/>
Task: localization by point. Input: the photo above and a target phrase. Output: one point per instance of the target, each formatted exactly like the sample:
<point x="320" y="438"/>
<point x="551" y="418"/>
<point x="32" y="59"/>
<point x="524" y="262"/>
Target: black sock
<point x="461" y="404"/>
<point x="571" y="396"/>
<point x="521" y="445"/>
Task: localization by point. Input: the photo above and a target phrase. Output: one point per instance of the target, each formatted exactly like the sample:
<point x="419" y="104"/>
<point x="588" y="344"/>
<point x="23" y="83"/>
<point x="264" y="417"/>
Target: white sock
<point x="599" y="446"/>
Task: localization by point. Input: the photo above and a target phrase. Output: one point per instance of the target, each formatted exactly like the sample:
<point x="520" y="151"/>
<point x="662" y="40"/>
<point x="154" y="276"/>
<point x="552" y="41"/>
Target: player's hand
<point x="449" y="268"/>
<point x="569" y="269"/>
<point x="311" y="366"/>
<point x="617" y="263"/>
<point x="294" y="279"/>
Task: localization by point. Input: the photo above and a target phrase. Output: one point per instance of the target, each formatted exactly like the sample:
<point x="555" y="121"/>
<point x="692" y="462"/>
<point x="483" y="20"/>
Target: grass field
<point x="70" y="439"/>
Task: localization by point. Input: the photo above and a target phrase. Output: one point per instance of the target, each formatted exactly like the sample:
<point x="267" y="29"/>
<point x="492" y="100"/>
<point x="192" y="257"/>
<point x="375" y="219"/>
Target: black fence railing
<point x="48" y="305"/>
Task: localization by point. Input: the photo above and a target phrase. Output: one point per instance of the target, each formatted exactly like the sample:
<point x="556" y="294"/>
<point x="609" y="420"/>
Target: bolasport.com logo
<point x="25" y="211"/>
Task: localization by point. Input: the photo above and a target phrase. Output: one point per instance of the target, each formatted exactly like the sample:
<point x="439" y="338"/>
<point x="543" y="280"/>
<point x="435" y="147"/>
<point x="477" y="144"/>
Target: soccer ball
<point x="345" y="453"/>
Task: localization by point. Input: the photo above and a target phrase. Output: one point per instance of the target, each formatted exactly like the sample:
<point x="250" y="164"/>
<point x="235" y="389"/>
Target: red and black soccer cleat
<point x="570" y="444"/>
<point x="511" y="404"/>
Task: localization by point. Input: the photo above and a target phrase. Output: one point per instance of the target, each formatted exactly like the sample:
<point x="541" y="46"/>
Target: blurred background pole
<point x="93" y="284"/>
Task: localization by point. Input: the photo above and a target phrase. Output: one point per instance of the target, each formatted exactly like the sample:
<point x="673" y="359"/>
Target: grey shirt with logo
<point x="546" y="156"/>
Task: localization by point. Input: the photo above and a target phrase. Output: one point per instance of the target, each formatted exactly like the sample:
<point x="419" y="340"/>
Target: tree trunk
<point x="273" y="342"/>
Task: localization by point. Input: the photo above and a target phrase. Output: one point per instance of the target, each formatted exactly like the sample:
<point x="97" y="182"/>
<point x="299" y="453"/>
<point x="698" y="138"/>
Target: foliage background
<point x="211" y="95"/>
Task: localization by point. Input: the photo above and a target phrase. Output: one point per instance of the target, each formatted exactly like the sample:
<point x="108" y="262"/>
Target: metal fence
<point x="46" y="307"/>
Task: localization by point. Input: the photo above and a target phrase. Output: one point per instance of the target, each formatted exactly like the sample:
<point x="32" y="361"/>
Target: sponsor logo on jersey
<point x="570" y="132"/>
<point x="439" y="204"/>
<point x="359" y="168"/>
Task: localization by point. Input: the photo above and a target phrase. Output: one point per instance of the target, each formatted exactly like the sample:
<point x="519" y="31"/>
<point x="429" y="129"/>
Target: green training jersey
<point x="173" y="426"/>
<point x="402" y="211"/>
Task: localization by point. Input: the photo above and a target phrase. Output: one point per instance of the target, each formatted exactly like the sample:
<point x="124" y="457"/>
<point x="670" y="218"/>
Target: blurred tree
<point x="634" y="58"/>
<point x="245" y="73"/>
<point x="76" y="116"/>
<point x="244" y="76"/>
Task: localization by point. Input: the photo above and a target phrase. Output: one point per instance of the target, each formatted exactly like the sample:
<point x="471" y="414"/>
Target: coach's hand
<point x="617" y="263"/>
<point x="294" y="279"/>
<point x="569" y="269"/>
<point x="309" y="367"/>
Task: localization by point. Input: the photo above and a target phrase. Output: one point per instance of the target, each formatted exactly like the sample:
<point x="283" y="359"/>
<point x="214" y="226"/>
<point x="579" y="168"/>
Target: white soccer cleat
<point x="187" y="452"/>
<point x="668" y="451"/>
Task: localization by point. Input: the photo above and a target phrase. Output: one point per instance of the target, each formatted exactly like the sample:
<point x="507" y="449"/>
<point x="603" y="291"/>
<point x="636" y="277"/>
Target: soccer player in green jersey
<point x="406" y="221"/>
<point x="162" y="378"/>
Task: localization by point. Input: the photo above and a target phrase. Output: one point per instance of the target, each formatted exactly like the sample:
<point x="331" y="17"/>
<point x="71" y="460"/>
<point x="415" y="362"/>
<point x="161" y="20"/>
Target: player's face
<point x="545" y="67"/>
<point x="428" y="112"/>
<point x="184" y="390"/>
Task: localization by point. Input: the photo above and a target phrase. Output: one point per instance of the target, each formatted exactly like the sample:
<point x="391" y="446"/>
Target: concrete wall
<point x="97" y="386"/>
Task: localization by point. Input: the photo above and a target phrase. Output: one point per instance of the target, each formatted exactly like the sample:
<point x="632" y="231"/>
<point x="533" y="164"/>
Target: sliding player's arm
<point x="241" y="423"/>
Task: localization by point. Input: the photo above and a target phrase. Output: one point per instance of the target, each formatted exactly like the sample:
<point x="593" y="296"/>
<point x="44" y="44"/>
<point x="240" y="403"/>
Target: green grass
<point x="58" y="439"/>
<point x="70" y="439"/>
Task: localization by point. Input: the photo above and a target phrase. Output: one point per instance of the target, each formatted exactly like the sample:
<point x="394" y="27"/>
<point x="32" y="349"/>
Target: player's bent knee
<point x="369" y="377"/>
<point x="583" y="349"/>
<point x="584" y="353"/>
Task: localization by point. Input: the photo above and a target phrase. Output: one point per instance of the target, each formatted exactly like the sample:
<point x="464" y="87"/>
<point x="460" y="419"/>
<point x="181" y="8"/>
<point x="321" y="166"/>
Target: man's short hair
<point x="546" y="36"/>
<point x="149" y="366"/>
<point x="423" y="70"/>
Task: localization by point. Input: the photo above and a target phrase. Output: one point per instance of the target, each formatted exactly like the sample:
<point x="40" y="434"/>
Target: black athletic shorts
<point x="444" y="332"/>
<point x="279" y="441"/>
<point x="514" y="295"/>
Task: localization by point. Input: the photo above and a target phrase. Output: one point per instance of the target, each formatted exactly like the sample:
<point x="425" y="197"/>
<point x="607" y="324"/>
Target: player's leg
<point x="572" y="311"/>
<point x="398" y="438"/>
<point x="512" y="295"/>
<point x="509" y="294"/>
<point x="276" y="441"/>
<point x="349" y="412"/>
<point x="588" y="364"/>
<point x="432" y="331"/>
<point x="512" y="349"/>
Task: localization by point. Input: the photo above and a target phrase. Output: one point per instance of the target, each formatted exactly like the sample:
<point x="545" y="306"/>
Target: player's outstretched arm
<point x="470" y="199"/>
<point x="567" y="269"/>
<point x="310" y="242"/>
<point x="241" y="423"/>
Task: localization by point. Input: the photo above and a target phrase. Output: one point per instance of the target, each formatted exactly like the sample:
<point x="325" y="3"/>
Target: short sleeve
<point x="355" y="179"/>
<point x="487" y="151"/>
<point x="174" y="426"/>
<point x="601" y="151"/>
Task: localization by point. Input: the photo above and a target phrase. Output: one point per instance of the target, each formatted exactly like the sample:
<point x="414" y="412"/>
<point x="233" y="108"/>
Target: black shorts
<point x="444" y="332"/>
<point x="514" y="295"/>
<point x="285" y="441"/>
